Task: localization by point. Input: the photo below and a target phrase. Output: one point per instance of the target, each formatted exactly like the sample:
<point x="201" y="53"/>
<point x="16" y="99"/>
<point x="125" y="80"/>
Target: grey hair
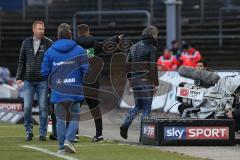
<point x="63" y="25"/>
<point x="150" y="31"/>
<point x="64" y="32"/>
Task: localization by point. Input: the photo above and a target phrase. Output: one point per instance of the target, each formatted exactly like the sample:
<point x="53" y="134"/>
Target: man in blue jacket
<point x="65" y="64"/>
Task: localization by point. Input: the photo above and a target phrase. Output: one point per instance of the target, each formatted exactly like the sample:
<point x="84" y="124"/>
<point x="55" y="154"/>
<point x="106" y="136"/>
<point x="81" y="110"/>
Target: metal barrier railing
<point x="202" y="9"/>
<point x="116" y="12"/>
<point x="151" y="3"/>
<point x="46" y="10"/>
<point x="0" y="28"/>
<point x="220" y="23"/>
<point x="45" y="3"/>
<point x="24" y="3"/>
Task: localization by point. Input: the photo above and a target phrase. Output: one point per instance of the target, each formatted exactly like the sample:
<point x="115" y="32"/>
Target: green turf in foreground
<point x="12" y="138"/>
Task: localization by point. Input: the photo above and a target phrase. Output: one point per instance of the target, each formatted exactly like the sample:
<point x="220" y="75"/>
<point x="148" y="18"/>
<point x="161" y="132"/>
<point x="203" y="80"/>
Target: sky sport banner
<point x="192" y="133"/>
<point x="165" y="97"/>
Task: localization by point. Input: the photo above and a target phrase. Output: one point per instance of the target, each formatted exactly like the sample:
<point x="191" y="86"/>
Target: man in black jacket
<point x="29" y="76"/>
<point x="91" y="78"/>
<point x="143" y="76"/>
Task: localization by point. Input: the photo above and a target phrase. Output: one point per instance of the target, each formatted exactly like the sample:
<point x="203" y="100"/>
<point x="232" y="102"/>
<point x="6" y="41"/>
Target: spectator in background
<point x="167" y="61"/>
<point x="29" y="76"/>
<point x="202" y="65"/>
<point x="176" y="49"/>
<point x="144" y="85"/>
<point x="190" y="56"/>
<point x="67" y="54"/>
<point x="93" y="49"/>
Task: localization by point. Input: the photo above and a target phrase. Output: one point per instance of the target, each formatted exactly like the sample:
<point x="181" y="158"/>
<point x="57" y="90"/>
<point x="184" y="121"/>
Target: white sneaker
<point x="62" y="151"/>
<point x="69" y="147"/>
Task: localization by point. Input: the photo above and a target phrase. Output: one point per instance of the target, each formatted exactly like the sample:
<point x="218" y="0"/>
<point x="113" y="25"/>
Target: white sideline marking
<point x="81" y="145"/>
<point x="11" y="126"/>
<point x="132" y="145"/>
<point x="50" y="153"/>
<point x="12" y="137"/>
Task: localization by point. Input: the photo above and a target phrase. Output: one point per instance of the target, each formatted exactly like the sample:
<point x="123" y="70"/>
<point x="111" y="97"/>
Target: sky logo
<point x="174" y="133"/>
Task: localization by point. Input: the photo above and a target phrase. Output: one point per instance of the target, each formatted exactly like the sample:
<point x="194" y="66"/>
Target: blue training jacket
<point x="65" y="64"/>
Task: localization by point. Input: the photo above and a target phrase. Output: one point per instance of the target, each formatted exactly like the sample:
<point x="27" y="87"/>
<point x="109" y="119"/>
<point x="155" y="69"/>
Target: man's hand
<point x="19" y="84"/>
<point x="120" y="36"/>
<point x="229" y="114"/>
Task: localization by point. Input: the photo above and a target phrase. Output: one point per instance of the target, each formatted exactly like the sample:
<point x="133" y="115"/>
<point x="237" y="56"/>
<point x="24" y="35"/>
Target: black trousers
<point x="54" y="120"/>
<point x="96" y="113"/>
<point x="93" y="107"/>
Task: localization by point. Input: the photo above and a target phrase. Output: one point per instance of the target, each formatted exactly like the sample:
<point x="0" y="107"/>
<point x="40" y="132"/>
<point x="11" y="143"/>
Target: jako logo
<point x="149" y="131"/>
<point x="69" y="80"/>
<point x="191" y="133"/>
<point x="174" y="133"/>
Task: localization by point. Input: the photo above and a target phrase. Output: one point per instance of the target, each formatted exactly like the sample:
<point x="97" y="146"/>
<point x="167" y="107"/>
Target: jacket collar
<point x="149" y="39"/>
<point x="41" y="40"/>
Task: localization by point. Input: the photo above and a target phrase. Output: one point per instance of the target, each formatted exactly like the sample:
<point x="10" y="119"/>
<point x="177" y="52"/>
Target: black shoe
<point x="97" y="139"/>
<point x="53" y="137"/>
<point x="42" y="138"/>
<point x="123" y="132"/>
<point x="75" y="140"/>
<point x="29" y="137"/>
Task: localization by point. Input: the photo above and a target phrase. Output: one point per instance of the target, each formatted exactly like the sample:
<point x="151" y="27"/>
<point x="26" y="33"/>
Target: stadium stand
<point x="203" y="36"/>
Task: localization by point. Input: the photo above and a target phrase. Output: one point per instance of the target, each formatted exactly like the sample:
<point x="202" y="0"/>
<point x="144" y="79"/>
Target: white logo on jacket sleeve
<point x="63" y="63"/>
